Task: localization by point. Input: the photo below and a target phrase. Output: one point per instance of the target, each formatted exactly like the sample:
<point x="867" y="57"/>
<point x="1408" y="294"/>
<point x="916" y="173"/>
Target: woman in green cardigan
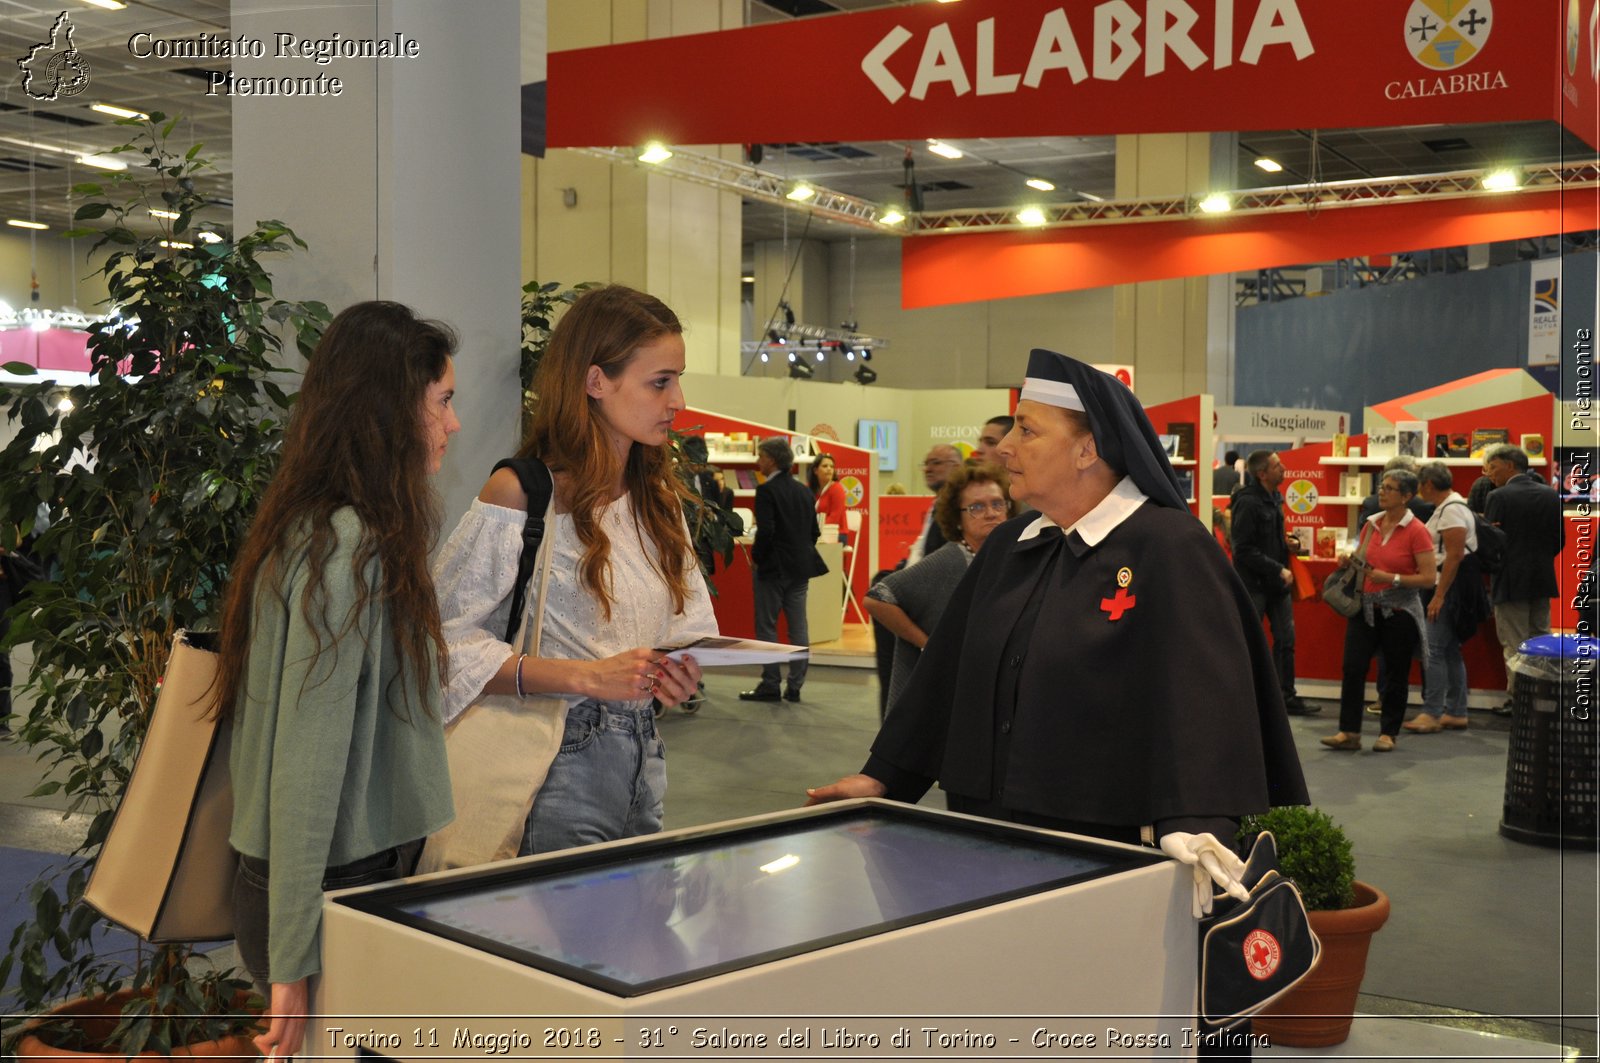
<point x="331" y="651"/>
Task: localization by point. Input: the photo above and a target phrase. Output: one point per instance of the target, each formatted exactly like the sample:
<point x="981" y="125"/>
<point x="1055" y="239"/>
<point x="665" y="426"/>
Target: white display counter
<point x="862" y="929"/>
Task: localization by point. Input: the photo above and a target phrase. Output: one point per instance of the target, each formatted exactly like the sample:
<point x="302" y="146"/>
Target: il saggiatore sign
<point x="1001" y="68"/>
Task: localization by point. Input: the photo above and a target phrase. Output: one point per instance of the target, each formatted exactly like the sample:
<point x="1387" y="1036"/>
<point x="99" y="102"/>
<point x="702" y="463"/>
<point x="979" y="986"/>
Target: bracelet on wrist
<point x="520" y="659"/>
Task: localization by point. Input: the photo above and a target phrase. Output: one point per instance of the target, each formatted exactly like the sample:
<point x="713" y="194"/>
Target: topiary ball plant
<point x="1313" y="852"/>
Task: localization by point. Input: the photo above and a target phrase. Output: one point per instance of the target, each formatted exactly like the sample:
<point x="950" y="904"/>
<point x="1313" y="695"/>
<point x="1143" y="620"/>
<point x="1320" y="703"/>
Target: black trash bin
<point x="1554" y="757"/>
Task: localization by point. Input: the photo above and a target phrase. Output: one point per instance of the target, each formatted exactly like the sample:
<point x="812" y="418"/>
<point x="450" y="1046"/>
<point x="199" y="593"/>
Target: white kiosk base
<point x="863" y="929"/>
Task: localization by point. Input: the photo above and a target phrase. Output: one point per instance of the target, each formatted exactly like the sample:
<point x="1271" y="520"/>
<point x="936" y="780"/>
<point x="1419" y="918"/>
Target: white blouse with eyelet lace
<point x="477" y="566"/>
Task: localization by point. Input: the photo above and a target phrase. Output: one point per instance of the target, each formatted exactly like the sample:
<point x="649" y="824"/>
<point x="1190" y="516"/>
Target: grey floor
<point x="1490" y="950"/>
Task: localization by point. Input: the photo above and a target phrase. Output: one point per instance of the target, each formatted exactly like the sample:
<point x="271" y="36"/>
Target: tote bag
<point x="500" y="750"/>
<point x="1342" y="589"/>
<point x="165" y="870"/>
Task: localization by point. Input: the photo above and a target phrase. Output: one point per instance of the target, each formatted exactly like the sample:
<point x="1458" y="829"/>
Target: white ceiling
<point x="38" y="139"/>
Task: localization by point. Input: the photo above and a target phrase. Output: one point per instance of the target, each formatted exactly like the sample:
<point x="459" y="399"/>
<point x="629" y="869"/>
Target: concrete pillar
<point x="589" y="220"/>
<point x="403" y="185"/>
<point x="1163" y="328"/>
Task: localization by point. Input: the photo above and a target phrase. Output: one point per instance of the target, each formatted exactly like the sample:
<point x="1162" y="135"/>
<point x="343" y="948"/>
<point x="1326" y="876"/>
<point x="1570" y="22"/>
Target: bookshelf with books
<point x="731" y="444"/>
<point x="1180" y="423"/>
<point x="1499" y="403"/>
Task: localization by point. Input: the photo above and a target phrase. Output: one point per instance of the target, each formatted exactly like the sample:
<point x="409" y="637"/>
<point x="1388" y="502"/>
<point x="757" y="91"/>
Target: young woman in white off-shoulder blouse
<point x="623" y="576"/>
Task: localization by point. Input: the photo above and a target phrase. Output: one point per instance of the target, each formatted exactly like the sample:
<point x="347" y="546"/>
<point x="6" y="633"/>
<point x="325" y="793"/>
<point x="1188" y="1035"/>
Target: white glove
<point x="1215" y="867"/>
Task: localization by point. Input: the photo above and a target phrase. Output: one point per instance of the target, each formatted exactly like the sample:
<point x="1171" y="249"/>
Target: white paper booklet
<point x="712" y="651"/>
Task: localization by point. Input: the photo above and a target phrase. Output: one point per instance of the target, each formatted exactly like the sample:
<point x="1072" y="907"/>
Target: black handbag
<point x="1253" y="951"/>
<point x="1342" y="589"/>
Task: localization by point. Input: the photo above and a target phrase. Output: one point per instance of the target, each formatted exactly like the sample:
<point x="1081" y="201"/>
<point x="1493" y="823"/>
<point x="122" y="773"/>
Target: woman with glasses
<point x="1399" y="562"/>
<point x="974" y="501"/>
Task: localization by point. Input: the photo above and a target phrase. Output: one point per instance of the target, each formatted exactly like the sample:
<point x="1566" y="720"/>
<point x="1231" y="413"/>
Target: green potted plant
<point x="1315" y="854"/>
<point x="150" y="475"/>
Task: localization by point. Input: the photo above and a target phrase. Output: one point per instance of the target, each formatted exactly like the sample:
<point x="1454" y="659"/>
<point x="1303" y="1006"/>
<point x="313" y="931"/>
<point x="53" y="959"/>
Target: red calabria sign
<point x="1009" y="68"/>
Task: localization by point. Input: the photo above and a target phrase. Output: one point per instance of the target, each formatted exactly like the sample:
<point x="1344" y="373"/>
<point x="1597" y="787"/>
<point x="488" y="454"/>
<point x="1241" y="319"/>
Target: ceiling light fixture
<point x="865" y="374"/>
<point x="168" y="214"/>
<point x="1502" y="180"/>
<point x="103" y="162"/>
<point x="892" y="217"/>
<point x="940" y="148"/>
<point x="1031" y="216"/>
<point x="801" y="193"/>
<point x="21" y="224"/>
<point x="1040" y="184"/>
<point x="177" y="245"/>
<point x="1091" y="197"/>
<point x="109" y="5"/>
<point x="206" y="236"/>
<point x="655" y="152"/>
<point x="1215" y="203"/>
<point x="1269" y="165"/>
<point x="118" y="112"/>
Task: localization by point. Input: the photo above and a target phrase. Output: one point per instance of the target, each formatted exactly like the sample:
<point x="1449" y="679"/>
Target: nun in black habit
<point x="1100" y="669"/>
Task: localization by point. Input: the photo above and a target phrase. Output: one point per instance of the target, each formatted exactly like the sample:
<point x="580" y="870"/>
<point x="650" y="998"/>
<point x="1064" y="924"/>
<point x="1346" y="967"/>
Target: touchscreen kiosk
<point x="846" y="923"/>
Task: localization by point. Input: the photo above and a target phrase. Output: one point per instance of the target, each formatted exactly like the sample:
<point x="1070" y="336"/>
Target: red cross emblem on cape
<point x="1118" y="604"/>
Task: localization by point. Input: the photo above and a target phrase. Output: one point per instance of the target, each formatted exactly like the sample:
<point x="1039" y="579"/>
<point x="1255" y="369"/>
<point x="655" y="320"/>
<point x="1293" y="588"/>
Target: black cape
<point x="1170" y="711"/>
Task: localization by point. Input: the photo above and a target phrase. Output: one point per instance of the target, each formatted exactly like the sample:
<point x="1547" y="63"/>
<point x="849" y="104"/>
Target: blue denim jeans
<point x="608" y="781"/>
<point x="1278" y="609"/>
<point x="250" y="880"/>
<point x="1444" y="684"/>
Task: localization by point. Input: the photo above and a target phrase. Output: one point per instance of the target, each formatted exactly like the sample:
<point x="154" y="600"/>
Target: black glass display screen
<point x="674" y="911"/>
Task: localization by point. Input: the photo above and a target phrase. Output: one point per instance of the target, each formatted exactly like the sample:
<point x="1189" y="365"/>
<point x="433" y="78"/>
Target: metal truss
<point x="1292" y="282"/>
<point x="1281" y="199"/>
<point x="755" y="183"/>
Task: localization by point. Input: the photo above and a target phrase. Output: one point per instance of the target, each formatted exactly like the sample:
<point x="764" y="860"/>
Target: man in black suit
<point x="786" y="558"/>
<point x="1529" y="512"/>
<point x="1261" y="557"/>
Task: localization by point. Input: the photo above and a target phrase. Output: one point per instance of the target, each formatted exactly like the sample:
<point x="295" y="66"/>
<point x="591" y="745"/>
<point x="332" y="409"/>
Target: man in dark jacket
<point x="786" y="558"/>
<point x="1261" y="555"/>
<point x="1529" y="512"/>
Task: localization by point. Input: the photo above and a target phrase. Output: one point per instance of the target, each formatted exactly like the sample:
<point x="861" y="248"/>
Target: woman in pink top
<point x="829" y="492"/>
<point x="1399" y="562"/>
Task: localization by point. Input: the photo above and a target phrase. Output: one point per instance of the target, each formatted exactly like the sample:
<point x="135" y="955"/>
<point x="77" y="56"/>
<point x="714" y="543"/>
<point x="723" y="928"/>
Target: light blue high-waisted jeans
<point x="608" y="781"/>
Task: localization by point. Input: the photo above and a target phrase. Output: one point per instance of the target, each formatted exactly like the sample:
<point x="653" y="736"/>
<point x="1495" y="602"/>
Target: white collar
<point x="1100" y="521"/>
<point x="1404" y="520"/>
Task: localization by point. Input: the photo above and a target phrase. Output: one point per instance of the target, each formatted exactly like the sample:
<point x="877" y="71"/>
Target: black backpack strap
<point x="539" y="486"/>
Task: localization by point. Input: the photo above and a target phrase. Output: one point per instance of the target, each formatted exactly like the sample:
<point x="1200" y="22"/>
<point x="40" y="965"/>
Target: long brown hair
<point x="356" y="438"/>
<point x="605" y="328"/>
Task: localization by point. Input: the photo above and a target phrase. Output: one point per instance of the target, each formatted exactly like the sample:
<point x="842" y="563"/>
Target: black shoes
<point x="769" y="694"/>
<point x="1297" y="706"/>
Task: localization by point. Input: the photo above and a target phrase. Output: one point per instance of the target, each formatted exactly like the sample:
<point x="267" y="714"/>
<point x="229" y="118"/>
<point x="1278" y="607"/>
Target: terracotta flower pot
<point x="104" y="1012"/>
<point x="1326" y="1001"/>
